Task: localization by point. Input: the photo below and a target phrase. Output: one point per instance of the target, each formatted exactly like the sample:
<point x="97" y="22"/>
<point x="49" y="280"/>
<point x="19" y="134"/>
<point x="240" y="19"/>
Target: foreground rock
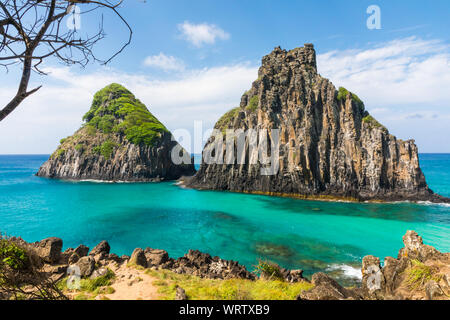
<point x="420" y="272"/>
<point x="329" y="145"/>
<point x="120" y="141"/>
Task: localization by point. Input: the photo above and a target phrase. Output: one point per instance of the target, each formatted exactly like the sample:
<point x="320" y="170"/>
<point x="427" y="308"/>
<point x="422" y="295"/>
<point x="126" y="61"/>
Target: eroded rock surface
<point x="330" y="146"/>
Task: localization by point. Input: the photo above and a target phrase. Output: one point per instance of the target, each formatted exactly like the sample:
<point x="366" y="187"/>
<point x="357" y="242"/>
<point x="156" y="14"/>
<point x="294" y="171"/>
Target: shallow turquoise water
<point x="310" y="235"/>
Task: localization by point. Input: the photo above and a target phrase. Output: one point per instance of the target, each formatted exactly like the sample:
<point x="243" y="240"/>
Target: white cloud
<point x="199" y="34"/>
<point x="56" y="110"/>
<point x="166" y="63"/>
<point x="403" y="83"/>
<point x="404" y="71"/>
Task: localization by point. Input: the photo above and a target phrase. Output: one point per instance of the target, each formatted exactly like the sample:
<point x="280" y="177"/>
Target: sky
<point x="190" y="62"/>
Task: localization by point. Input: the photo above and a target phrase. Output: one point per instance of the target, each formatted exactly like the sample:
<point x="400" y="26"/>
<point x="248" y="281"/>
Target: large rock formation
<point x="120" y="141"/>
<point x="329" y="145"/>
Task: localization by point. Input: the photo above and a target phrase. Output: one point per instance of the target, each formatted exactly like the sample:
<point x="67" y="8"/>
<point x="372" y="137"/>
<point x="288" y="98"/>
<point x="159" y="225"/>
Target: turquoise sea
<point x="310" y="235"/>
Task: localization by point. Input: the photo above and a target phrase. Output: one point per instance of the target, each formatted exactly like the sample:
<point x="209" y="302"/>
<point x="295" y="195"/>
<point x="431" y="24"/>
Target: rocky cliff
<point x="119" y="141"/>
<point x="330" y="147"/>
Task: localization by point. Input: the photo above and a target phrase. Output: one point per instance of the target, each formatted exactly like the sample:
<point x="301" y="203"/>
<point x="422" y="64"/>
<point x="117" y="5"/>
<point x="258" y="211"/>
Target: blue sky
<point x="191" y="61"/>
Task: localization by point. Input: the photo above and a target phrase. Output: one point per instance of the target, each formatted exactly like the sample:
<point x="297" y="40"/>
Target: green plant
<point x="79" y="147"/>
<point x="107" y="148"/>
<point x="342" y="96"/>
<point x="62" y="140"/>
<point x="268" y="270"/>
<point x="372" y="122"/>
<point x="226" y="120"/>
<point x="115" y="109"/>
<point x="418" y="274"/>
<point x="253" y="104"/>
<point x="91" y="285"/>
<point x="12" y="255"/>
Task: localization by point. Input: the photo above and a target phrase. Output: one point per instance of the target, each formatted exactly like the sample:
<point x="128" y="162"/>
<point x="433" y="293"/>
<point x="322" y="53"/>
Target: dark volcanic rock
<point x="86" y="265"/>
<point x="203" y="265"/>
<point x="49" y="249"/>
<point x="120" y="141"/>
<point x="330" y="146"/>
<point x="102" y="248"/>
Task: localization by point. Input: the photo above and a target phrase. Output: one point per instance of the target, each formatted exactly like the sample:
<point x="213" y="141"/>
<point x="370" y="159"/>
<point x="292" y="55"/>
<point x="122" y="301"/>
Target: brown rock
<point x="138" y="258"/>
<point x="373" y="282"/>
<point x="86" y="265"/>
<point x="49" y="249"/>
<point x="156" y="257"/>
<point x="102" y="248"/>
<point x="82" y="250"/>
<point x="180" y="294"/>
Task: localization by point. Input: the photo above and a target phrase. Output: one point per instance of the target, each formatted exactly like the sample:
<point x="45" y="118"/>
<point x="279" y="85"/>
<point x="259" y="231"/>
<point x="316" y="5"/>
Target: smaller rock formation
<point x="419" y="272"/>
<point x="120" y="140"/>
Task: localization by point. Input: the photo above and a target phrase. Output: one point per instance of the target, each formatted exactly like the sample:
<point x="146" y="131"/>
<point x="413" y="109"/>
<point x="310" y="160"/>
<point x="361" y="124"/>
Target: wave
<point x="347" y="270"/>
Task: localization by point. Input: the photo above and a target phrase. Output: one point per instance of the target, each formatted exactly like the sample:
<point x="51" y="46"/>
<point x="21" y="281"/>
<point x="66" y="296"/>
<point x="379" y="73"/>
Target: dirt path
<point x="132" y="284"/>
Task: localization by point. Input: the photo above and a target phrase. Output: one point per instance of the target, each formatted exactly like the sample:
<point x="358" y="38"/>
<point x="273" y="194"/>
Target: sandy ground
<point x="132" y="284"/>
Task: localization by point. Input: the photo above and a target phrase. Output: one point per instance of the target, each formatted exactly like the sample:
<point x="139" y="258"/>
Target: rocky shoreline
<point x="419" y="271"/>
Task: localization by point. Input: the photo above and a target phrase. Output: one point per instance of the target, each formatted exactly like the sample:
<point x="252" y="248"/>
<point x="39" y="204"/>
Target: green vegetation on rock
<point x="225" y="121"/>
<point x="269" y="270"/>
<point x="342" y="95"/>
<point x="253" y="104"/>
<point x="116" y="110"/>
<point x="372" y="122"/>
<point x="419" y="274"/>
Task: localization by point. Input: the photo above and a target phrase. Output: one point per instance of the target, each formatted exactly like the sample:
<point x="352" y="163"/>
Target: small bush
<point x="107" y="148"/>
<point x="418" y="274"/>
<point x="269" y="270"/>
<point x="12" y="255"/>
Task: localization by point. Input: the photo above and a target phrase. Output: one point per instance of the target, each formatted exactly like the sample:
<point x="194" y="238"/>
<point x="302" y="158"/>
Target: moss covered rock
<point x="120" y="140"/>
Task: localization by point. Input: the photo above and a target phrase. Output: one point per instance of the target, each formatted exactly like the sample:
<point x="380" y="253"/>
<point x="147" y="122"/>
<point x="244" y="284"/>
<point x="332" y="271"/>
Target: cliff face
<point x="329" y="145"/>
<point x="120" y="141"/>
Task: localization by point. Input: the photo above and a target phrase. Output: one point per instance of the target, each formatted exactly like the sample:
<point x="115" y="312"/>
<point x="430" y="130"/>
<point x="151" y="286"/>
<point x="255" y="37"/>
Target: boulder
<point x="156" y="257"/>
<point x="82" y="250"/>
<point x="102" y="248"/>
<point x="180" y="294"/>
<point x="415" y="249"/>
<point x="86" y="265"/>
<point x="49" y="249"/>
<point x="73" y="258"/>
<point x="100" y="272"/>
<point x="373" y="281"/>
<point x="138" y="258"/>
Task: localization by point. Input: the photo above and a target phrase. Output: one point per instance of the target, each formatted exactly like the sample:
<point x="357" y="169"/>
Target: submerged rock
<point x="330" y="147"/>
<point x="119" y="141"/>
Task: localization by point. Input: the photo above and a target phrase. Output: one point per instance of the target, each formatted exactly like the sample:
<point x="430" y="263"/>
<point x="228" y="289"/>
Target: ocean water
<point x="311" y="235"/>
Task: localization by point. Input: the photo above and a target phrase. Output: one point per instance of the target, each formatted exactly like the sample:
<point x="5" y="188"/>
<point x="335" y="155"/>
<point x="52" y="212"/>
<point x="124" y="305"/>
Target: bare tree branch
<point x="32" y="31"/>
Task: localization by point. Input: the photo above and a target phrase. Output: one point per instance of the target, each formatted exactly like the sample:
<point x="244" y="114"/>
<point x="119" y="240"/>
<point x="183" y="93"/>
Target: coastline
<point x="145" y="273"/>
